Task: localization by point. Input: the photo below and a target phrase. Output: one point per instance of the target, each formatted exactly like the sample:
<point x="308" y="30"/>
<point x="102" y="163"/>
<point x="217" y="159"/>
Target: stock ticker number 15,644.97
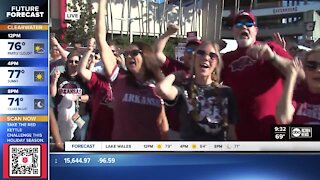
<point x="78" y="160"/>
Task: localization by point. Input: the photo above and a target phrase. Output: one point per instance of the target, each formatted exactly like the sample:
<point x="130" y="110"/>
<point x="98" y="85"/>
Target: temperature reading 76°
<point x="15" y="73"/>
<point x="16" y="45"/>
<point x="15" y="101"/>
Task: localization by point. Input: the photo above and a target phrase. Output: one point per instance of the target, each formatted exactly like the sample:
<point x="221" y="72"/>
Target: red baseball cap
<point x="194" y="42"/>
<point x="244" y="14"/>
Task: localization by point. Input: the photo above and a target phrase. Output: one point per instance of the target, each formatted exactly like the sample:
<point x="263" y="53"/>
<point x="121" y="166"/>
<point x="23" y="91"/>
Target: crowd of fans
<point x="141" y="94"/>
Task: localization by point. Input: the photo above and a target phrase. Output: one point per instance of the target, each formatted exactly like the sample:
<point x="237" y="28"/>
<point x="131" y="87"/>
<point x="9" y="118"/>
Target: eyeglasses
<point x="132" y="53"/>
<point x="312" y="65"/>
<point x="247" y="24"/>
<point x="73" y="61"/>
<point x="212" y="55"/>
<point x="189" y="50"/>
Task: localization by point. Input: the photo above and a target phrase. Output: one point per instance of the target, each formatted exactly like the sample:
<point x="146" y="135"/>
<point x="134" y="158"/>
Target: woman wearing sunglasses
<point x="207" y="109"/>
<point x="138" y="111"/>
<point x="302" y="106"/>
<point x="68" y="88"/>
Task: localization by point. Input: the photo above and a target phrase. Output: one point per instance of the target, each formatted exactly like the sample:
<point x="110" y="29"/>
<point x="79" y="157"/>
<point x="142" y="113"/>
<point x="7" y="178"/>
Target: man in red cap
<point x="255" y="72"/>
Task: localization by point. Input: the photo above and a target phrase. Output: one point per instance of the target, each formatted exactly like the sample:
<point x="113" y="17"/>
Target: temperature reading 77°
<point x="15" y="100"/>
<point x="15" y="73"/>
<point x="16" y="45"/>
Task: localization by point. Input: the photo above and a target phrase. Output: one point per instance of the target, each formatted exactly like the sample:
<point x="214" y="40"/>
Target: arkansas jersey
<point x="307" y="107"/>
<point x="257" y="86"/>
<point x="137" y="109"/>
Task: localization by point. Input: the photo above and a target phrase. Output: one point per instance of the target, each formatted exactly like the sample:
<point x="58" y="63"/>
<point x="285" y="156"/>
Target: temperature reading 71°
<point x="16" y="72"/>
<point x="16" y="45"/>
<point x="15" y="100"/>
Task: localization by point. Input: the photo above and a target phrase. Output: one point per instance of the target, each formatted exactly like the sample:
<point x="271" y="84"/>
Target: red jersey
<point x="170" y="66"/>
<point x="136" y="109"/>
<point x="101" y="123"/>
<point x="257" y="85"/>
<point x="307" y="107"/>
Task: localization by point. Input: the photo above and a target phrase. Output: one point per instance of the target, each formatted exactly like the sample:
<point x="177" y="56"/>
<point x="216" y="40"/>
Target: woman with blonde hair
<point x="301" y="105"/>
<point x="207" y="109"/>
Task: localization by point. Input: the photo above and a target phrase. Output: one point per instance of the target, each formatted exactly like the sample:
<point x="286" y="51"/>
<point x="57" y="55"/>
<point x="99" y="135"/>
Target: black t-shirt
<point x="211" y="105"/>
<point x="72" y="85"/>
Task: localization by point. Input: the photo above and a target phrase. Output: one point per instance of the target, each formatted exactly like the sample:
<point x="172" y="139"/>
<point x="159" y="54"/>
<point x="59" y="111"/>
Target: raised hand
<point x="172" y="28"/>
<point x="54" y="41"/>
<point x="56" y="74"/>
<point x="261" y="52"/>
<point x="276" y="37"/>
<point x="91" y="44"/>
<point x="295" y="67"/>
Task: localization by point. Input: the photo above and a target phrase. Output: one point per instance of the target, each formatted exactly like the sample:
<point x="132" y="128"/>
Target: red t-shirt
<point x="257" y="85"/>
<point x="136" y="109"/>
<point x="307" y="107"/>
<point x="101" y="124"/>
<point x="170" y="66"/>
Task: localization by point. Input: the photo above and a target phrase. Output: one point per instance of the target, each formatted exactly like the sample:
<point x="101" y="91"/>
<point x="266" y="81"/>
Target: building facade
<point x="298" y="19"/>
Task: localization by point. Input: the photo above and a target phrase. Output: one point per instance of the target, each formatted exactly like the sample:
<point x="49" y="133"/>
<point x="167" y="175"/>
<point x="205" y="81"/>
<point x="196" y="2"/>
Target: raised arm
<point x="160" y="43"/>
<point x="53" y="83"/>
<point x="107" y="56"/>
<point x="54" y="128"/>
<point x="82" y="67"/>
<point x="55" y="42"/>
<point x="165" y="88"/>
<point x="285" y="109"/>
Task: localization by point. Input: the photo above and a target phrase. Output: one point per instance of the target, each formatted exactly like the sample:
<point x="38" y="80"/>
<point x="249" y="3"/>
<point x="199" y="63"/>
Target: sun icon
<point x="38" y="76"/>
<point x="37" y="48"/>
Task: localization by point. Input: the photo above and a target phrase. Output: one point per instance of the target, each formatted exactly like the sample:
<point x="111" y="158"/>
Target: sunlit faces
<point x="312" y="70"/>
<point x="114" y="50"/>
<point x="72" y="63"/>
<point x="133" y="59"/>
<point x="245" y="32"/>
<point x="206" y="60"/>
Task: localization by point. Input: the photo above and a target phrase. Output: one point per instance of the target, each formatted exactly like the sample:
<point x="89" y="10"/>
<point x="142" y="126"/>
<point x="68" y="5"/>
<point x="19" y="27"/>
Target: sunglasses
<point x="311" y="65"/>
<point x="132" y="53"/>
<point x="212" y="55"/>
<point x="73" y="61"/>
<point x="247" y="24"/>
<point x="189" y="50"/>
